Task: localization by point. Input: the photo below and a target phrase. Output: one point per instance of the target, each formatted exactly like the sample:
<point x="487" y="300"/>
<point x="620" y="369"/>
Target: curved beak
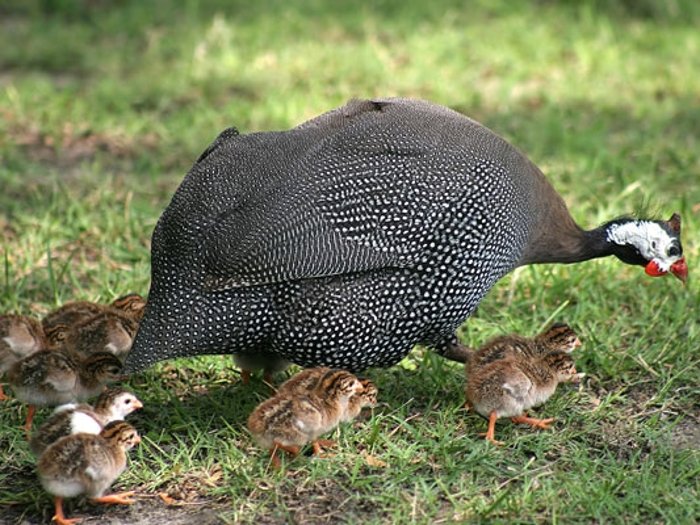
<point x="680" y="269"/>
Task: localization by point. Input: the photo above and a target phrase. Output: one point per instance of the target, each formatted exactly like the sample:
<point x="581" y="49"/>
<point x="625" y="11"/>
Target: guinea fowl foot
<point x="122" y="498"/>
<point x="491" y="432"/>
<point x="533" y="422"/>
<point x="289" y="449"/>
<point x="31" y="410"/>
<point x="59" y="517"/>
<point x="320" y="444"/>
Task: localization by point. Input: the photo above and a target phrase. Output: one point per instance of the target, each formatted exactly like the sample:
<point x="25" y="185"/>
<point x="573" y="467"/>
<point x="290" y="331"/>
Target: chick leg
<point x="31" y="409"/>
<point x="122" y="498"/>
<point x="320" y="444"/>
<point x="59" y="517"/>
<point x="491" y="432"/>
<point x="290" y="449"/>
<point x="533" y="422"/>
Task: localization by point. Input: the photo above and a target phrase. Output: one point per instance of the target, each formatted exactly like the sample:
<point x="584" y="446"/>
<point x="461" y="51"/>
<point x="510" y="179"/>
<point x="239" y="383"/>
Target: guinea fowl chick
<point x="108" y="331"/>
<point x="558" y="337"/>
<point x="20" y="336"/>
<point x="55" y="377"/>
<point x="292" y="418"/>
<point x="87" y="464"/>
<point x="267" y="362"/>
<point x="111" y="405"/>
<point x="73" y="312"/>
<point x="510" y="386"/>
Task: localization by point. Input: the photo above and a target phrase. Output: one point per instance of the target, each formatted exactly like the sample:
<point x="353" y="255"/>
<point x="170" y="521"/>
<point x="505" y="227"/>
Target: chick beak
<point x="680" y="269"/>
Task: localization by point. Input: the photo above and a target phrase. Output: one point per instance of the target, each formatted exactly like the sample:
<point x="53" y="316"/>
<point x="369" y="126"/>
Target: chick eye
<point x="674" y="251"/>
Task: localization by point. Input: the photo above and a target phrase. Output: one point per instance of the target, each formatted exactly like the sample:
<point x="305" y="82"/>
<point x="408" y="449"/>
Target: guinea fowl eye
<point x="127" y="401"/>
<point x="674" y="251"/>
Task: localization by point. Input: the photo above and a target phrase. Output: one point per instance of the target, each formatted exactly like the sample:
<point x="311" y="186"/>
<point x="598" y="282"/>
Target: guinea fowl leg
<point x="456" y="351"/>
<point x="122" y="498"/>
<point x="533" y="422"/>
<point x="3" y="395"/>
<point x="320" y="444"/>
<point x="245" y="376"/>
<point x="289" y="449"/>
<point x="491" y="432"/>
<point x="31" y="409"/>
<point x="59" y="517"/>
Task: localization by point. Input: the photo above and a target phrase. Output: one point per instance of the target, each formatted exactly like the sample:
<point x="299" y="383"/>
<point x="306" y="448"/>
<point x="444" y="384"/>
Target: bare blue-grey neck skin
<point x="349" y="239"/>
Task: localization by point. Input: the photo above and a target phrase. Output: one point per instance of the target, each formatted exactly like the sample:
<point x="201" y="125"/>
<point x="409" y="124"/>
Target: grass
<point x="105" y="105"/>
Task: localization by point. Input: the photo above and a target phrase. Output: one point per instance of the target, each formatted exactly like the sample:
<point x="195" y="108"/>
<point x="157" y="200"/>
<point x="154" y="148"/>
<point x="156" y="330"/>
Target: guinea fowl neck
<point x="568" y="243"/>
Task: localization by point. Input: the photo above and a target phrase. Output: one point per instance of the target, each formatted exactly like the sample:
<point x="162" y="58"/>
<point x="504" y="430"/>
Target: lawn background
<point x="104" y="106"/>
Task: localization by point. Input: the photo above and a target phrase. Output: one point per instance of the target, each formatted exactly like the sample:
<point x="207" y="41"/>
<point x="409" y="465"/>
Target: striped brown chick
<point x="509" y="387"/>
<point x="291" y="419"/>
<point x="55" y="377"/>
<point x="20" y="336"/>
<point x="87" y="464"/>
<point x="113" y="404"/>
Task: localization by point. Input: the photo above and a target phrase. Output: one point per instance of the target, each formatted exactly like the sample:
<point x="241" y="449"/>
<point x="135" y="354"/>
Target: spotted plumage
<point x="347" y="240"/>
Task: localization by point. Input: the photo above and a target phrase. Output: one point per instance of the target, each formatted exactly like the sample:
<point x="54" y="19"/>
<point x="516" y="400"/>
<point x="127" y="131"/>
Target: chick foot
<point x="533" y="422"/>
<point x="122" y="498"/>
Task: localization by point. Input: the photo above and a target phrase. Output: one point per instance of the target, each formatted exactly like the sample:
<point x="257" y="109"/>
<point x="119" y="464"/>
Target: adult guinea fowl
<point x="347" y="240"/>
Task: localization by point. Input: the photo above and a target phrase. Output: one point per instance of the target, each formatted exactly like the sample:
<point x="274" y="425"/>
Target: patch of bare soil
<point x="318" y="502"/>
<point x="686" y="435"/>
<point x="149" y="511"/>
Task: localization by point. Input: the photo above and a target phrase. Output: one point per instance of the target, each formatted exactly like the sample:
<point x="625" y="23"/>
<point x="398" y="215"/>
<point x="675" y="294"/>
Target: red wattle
<point x="680" y="269"/>
<point x="652" y="268"/>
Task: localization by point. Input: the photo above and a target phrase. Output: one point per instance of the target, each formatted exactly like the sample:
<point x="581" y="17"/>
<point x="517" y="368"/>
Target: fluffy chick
<point x="291" y="419"/>
<point x="87" y="464"/>
<point x="55" y="377"/>
<point x="20" y="336"/>
<point x="510" y="386"/>
<point x="113" y="404"/>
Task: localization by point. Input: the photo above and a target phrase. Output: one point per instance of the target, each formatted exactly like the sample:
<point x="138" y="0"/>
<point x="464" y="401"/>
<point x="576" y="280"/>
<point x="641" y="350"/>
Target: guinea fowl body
<point x="347" y="240"/>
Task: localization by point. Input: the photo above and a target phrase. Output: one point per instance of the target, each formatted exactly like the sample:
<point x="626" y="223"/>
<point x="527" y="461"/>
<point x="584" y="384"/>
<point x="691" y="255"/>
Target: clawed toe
<point x="123" y="498"/>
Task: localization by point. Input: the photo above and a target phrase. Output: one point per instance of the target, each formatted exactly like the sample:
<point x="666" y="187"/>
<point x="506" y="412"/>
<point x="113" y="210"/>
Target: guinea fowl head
<point x="656" y="245"/>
